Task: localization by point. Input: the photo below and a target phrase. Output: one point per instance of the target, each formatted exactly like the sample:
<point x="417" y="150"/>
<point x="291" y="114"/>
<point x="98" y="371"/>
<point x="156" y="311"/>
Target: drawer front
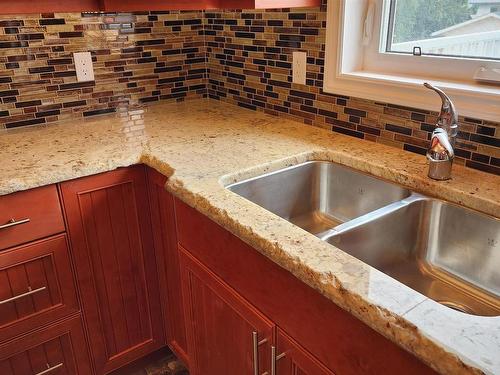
<point x="36" y="286"/>
<point x="29" y="215"/>
<point x="58" y="349"/>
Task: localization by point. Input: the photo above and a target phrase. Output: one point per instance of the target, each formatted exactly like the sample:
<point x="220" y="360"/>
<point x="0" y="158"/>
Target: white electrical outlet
<point x="83" y="66"/>
<point x="299" y="67"/>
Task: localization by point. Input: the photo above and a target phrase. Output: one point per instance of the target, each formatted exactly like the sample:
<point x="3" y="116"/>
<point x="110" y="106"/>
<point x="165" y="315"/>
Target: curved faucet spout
<point x="448" y="116"/>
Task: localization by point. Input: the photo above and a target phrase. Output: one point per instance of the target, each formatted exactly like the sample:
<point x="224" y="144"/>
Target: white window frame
<point x="385" y="77"/>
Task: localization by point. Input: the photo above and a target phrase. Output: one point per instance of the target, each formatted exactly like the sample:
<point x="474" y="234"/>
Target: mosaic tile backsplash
<point x="250" y="60"/>
<point x="140" y="57"/>
<point x="239" y="56"/>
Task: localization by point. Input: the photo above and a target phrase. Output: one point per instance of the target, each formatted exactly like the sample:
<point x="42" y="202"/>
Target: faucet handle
<point x="448" y="117"/>
<point x="440" y="155"/>
<point x="440" y="148"/>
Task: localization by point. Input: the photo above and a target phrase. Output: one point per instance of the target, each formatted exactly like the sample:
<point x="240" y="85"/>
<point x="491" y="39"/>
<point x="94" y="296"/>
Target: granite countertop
<point x="203" y="145"/>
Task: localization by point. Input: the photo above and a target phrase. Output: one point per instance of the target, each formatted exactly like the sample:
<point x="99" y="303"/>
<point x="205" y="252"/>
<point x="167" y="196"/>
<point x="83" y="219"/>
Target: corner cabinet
<point x="51" y="6"/>
<point x="110" y="233"/>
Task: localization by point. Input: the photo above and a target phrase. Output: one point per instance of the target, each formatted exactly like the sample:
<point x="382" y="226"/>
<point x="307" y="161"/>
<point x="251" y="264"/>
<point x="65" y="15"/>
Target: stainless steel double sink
<point x="447" y="252"/>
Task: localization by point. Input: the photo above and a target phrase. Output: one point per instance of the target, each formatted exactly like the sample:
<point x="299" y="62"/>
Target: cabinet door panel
<point x="110" y="232"/>
<point x="165" y="241"/>
<point x="56" y="349"/>
<point x="36" y="286"/>
<point x="292" y="359"/>
<point x="221" y="325"/>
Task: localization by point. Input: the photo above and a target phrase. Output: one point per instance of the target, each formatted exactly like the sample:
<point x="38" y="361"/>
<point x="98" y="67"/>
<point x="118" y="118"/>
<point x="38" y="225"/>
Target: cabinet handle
<point x="50" y="369"/>
<point x="13" y="223"/>
<point x="256" y="344"/>
<point x="275" y="358"/>
<point x="28" y="293"/>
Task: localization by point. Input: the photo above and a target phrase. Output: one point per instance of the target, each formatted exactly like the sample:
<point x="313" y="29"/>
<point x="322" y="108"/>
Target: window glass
<point x="456" y="28"/>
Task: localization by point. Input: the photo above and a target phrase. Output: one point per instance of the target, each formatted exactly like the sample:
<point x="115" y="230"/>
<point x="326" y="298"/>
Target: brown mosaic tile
<point x="36" y="63"/>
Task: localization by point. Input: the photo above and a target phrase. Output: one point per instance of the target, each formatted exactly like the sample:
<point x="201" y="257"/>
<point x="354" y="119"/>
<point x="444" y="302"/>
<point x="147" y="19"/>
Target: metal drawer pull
<point x="13" y="223"/>
<point x="28" y="293"/>
<point x="50" y="369"/>
<point x="256" y="344"/>
<point x="274" y="359"/>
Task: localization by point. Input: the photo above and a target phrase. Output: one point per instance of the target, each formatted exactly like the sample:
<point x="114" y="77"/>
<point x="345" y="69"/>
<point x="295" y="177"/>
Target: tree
<point x="418" y="19"/>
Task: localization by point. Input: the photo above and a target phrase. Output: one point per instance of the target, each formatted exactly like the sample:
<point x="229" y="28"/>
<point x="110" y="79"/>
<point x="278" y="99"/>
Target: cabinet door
<point x="165" y="240"/>
<point x="57" y="349"/>
<point x="291" y="359"/>
<point x="110" y="232"/>
<point x="36" y="286"/>
<point x="226" y="335"/>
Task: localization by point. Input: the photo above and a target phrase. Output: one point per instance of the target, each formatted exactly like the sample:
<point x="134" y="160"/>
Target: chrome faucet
<point x="440" y="152"/>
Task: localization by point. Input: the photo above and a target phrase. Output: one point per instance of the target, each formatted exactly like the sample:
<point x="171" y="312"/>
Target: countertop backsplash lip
<point x="203" y="144"/>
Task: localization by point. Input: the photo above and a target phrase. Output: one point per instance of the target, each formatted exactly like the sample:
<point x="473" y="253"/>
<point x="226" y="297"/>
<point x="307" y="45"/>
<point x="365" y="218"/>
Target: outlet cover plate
<point x="83" y="66"/>
<point x="299" y="67"/>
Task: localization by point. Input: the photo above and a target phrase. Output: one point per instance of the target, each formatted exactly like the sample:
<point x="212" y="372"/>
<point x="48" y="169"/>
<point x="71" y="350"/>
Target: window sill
<point x="477" y="101"/>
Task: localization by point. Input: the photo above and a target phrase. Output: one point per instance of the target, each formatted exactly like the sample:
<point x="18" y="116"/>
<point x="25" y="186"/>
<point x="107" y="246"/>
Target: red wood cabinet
<point x="165" y="241"/>
<point x="51" y="6"/>
<point x="291" y="359"/>
<point x="110" y="230"/>
<point x="269" y="4"/>
<point x="131" y="5"/>
<point x="29" y="215"/>
<point x="56" y="349"/>
<point x="48" y="6"/>
<point x="36" y="286"/>
<point x="341" y="342"/>
<point x="137" y="5"/>
<point x="226" y="334"/>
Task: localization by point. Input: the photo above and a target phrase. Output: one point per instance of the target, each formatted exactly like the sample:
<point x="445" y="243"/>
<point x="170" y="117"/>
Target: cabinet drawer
<point x="57" y="349"/>
<point x="29" y="215"/>
<point x="36" y="286"/>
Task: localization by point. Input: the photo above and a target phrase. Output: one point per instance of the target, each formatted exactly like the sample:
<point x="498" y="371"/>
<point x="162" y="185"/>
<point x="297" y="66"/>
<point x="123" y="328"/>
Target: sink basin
<point x="447" y="252"/>
<point x="317" y="195"/>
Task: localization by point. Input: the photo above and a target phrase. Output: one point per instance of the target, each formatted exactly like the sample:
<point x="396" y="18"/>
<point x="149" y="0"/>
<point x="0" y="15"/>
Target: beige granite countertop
<point x="203" y="145"/>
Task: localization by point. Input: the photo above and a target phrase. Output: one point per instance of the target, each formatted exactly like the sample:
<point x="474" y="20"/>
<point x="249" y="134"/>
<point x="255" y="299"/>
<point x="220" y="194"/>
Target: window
<point x="385" y="49"/>
<point x="453" y="28"/>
